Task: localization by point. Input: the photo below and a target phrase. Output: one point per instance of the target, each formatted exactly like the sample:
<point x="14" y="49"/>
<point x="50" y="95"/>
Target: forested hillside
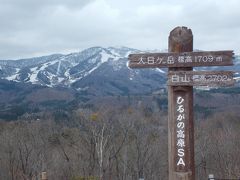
<point x="127" y="140"/>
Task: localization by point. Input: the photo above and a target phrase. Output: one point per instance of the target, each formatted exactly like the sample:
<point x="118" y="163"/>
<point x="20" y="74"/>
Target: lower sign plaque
<point x="200" y="78"/>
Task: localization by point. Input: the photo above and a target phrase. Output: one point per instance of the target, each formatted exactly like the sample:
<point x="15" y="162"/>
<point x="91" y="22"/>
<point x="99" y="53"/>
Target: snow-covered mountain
<point x="88" y="78"/>
<point x="97" y="70"/>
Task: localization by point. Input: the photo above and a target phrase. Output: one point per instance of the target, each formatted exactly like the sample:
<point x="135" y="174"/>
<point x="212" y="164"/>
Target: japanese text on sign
<point x="180" y="126"/>
<point x="201" y="78"/>
<point x="185" y="59"/>
<point x="151" y="60"/>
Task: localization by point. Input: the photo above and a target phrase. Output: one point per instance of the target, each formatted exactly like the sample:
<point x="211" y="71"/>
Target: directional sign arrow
<point x="185" y="59"/>
<point x="201" y="78"/>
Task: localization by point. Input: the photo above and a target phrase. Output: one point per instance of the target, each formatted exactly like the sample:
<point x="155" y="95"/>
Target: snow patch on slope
<point x="15" y="76"/>
<point x="105" y="57"/>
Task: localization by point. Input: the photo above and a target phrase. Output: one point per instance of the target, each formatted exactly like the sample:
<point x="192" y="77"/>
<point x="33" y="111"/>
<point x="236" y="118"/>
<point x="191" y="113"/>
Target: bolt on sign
<point x="179" y="60"/>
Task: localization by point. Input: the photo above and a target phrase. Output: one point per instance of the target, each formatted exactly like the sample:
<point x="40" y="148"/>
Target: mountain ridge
<point x="89" y="69"/>
<point x="93" y="70"/>
<point x="90" y="78"/>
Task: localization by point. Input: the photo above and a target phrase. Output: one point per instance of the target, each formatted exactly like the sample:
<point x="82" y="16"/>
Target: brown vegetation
<point x="113" y="144"/>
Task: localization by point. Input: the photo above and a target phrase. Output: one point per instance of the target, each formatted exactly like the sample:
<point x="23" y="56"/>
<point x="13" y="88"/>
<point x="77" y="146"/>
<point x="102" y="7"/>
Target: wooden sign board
<point x="185" y="59"/>
<point x="201" y="78"/>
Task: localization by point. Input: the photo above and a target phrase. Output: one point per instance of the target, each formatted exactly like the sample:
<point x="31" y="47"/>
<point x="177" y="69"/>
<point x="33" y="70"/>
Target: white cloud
<point x="31" y="28"/>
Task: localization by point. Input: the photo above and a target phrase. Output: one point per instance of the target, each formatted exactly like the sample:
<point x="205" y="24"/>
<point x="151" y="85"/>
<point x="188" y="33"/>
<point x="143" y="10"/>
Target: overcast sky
<point x="40" y="27"/>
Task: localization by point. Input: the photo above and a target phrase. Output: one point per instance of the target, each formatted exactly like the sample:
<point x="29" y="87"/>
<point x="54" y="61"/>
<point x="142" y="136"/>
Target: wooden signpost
<point x="180" y="62"/>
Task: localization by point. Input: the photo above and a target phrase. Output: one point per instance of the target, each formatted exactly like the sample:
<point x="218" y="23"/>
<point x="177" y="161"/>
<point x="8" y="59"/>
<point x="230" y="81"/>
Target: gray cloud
<point x="30" y="28"/>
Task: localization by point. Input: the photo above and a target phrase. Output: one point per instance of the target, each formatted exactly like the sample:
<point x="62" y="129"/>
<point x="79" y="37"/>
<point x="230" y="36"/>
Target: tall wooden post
<point x="180" y="114"/>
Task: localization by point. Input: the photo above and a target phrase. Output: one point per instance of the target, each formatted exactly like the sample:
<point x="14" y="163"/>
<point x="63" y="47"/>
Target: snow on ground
<point x="105" y="57"/>
<point x="15" y="76"/>
<point x="36" y="70"/>
<point x="33" y="77"/>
